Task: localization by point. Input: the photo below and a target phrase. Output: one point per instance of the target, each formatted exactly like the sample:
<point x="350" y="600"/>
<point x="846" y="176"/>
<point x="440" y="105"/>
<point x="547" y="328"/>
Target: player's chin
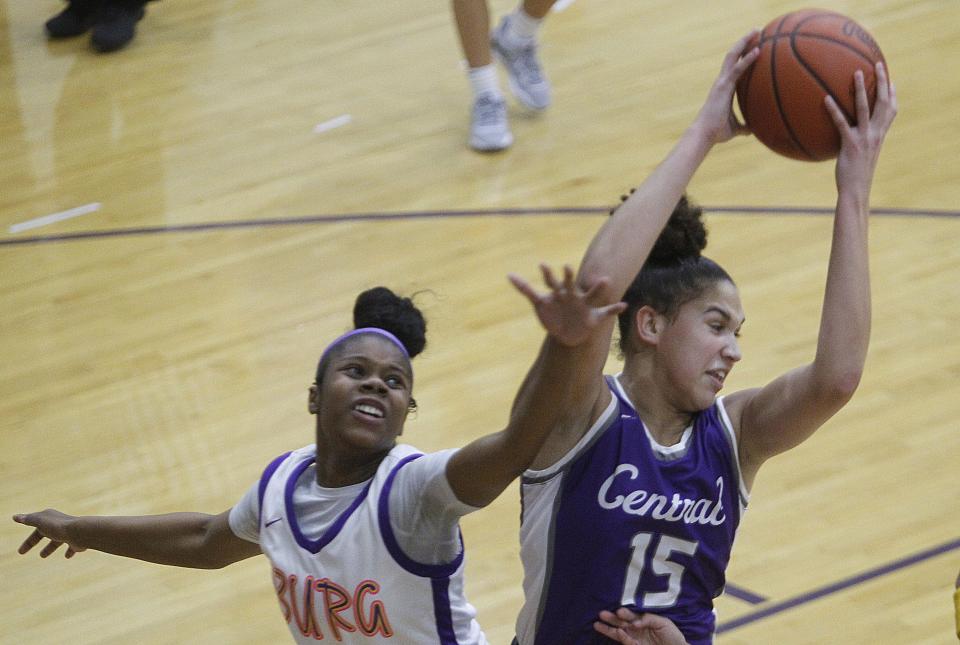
<point x="703" y="397"/>
<point x="370" y="437"/>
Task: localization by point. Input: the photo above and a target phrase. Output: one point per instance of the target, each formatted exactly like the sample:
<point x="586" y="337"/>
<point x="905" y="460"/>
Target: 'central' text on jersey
<point x="621" y="520"/>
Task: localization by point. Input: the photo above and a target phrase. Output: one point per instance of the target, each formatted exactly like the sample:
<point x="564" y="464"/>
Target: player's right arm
<point x="621" y="246"/>
<point x="195" y="540"/>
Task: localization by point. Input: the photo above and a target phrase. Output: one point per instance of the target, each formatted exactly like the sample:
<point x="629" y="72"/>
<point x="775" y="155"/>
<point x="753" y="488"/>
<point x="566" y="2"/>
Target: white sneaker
<point x="489" y="129"/>
<point x="525" y="75"/>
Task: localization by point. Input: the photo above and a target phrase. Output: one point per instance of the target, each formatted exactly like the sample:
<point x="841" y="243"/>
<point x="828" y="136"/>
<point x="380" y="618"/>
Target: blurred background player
<point x="113" y="22"/>
<point x="514" y="44"/>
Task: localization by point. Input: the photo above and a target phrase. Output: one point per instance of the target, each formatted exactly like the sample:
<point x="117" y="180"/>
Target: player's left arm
<point x="481" y="470"/>
<point x="784" y="413"/>
<point x="195" y="540"/>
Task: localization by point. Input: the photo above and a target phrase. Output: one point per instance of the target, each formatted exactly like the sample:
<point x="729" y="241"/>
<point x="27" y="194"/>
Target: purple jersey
<point x="621" y="520"/>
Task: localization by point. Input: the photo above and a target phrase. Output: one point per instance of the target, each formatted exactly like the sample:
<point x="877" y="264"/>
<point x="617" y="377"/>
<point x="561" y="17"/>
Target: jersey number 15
<point x="660" y="565"/>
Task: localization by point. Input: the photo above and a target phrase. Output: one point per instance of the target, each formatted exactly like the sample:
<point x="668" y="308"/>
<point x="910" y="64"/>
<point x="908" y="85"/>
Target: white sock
<point x="522" y="26"/>
<point x="483" y="80"/>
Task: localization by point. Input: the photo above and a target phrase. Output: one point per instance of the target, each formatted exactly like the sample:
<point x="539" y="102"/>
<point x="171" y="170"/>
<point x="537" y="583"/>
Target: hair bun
<point x="684" y="236"/>
<point x="382" y="308"/>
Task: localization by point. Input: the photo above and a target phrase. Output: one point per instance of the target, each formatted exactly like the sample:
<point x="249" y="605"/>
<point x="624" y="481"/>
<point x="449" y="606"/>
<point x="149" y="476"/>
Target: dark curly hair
<point x="675" y="272"/>
<point x="379" y="307"/>
<point x="382" y="308"/>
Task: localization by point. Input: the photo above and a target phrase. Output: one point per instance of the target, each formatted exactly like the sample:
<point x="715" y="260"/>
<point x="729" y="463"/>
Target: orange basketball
<point x="804" y="56"/>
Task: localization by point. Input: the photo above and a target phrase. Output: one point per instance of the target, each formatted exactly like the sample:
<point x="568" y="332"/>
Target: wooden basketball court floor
<point x="239" y="173"/>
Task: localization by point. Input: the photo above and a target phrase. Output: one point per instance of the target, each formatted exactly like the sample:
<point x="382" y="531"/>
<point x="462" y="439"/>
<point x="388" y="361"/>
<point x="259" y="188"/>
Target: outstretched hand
<point x="861" y="143"/>
<point x="716" y="117"/>
<point x="49" y="524"/>
<point x="568" y="313"/>
<point x="629" y="628"/>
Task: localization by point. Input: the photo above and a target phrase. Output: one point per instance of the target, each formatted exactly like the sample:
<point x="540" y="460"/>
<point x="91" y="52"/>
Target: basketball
<point x="805" y="55"/>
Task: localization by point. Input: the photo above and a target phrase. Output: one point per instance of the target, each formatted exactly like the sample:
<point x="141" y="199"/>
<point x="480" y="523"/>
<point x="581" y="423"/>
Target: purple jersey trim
<point x="390" y="540"/>
<point x="264" y="480"/>
<point x="314" y="546"/>
<point x="441" y="611"/>
<point x="439" y="574"/>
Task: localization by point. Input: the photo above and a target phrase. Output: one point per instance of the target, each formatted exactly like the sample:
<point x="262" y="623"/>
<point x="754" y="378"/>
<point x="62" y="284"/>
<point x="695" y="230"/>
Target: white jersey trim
<point x="676" y="449"/>
<point x="732" y="437"/>
<point x="597" y="427"/>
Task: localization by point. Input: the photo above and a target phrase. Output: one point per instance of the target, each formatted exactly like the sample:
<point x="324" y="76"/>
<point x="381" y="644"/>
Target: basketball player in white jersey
<point x="362" y="533"/>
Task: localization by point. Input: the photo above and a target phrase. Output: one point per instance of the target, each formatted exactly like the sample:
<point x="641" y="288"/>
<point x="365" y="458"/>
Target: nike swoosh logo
<point x="272" y="522"/>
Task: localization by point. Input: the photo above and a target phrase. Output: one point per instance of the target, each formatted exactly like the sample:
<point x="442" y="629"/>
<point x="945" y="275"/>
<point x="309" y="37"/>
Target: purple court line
<point x="440" y="214"/>
<point x="742" y="594"/>
<point x="816" y="594"/>
<point x="300" y="221"/>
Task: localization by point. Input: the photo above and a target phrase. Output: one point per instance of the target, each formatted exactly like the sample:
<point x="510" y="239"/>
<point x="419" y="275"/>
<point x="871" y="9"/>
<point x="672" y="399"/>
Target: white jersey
<point x="353" y="583"/>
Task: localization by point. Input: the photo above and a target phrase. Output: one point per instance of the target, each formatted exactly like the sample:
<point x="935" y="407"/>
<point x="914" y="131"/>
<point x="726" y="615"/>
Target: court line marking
<point x="53" y="218"/>
<point x="336" y="122"/>
<point x="743" y="594"/>
<point x="447" y="214"/>
<point x="833" y="588"/>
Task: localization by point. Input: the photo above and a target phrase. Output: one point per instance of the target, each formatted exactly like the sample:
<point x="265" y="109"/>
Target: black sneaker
<point x="116" y="24"/>
<point x="76" y="19"/>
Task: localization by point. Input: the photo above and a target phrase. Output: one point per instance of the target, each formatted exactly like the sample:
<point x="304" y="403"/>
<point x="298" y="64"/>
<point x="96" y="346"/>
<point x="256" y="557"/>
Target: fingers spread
<point x="612" y="310"/>
<point x="608" y="616"/>
<point x="863" y="105"/>
<point x="567" y="277"/>
<point x="883" y="83"/>
<point x="836" y="114"/>
<point x="523" y="287"/>
<point x="50" y="548"/>
<point x="606" y="630"/>
<point x="32" y="540"/>
<point x="548" y="277"/>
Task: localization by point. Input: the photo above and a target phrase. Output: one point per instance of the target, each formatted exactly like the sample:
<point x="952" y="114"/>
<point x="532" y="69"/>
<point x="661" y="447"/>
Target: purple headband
<point x="365" y="330"/>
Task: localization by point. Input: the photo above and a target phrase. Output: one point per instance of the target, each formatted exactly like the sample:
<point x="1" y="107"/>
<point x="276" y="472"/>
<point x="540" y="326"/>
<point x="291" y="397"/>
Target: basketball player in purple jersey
<point x="636" y="497"/>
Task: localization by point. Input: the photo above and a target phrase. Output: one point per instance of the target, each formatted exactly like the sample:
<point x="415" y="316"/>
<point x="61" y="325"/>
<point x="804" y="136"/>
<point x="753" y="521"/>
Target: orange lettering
<point x="370" y="614"/>
<point x="307" y="622"/>
<point x="335" y="600"/>
<point x="376" y="620"/>
<point x="280" y="585"/>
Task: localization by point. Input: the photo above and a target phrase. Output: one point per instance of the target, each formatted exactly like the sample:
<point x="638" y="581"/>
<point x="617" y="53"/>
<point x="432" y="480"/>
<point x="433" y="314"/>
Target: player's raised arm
<point x="481" y="470"/>
<point x="620" y="248"/>
<point x="195" y="540"/>
<point x="622" y="245"/>
<point x="788" y="410"/>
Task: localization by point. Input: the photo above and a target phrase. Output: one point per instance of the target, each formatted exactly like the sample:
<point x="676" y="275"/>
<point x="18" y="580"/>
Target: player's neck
<point x="335" y="469"/>
<point x="662" y="419"/>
